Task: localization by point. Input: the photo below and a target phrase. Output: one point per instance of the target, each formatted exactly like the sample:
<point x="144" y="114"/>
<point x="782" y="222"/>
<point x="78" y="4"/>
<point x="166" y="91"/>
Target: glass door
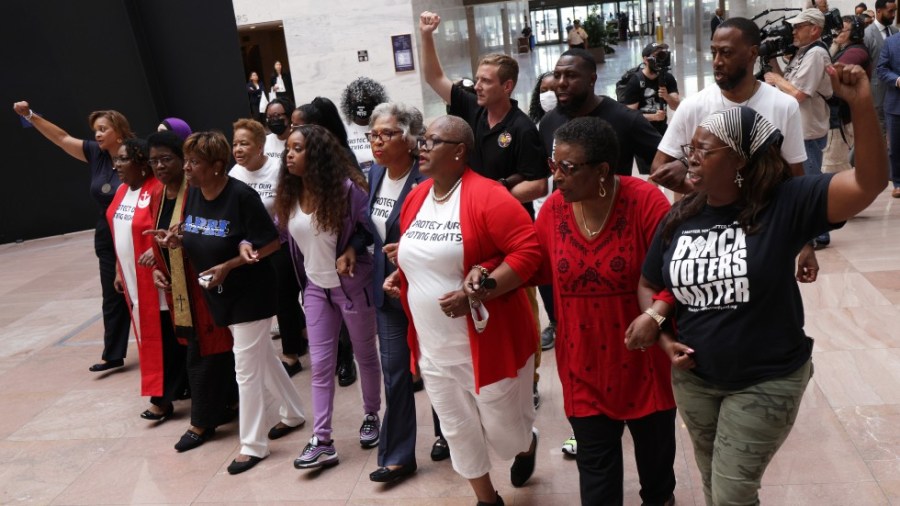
<point x="545" y="23"/>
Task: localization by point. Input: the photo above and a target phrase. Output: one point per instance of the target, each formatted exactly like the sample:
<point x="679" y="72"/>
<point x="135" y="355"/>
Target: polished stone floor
<point x="68" y="436"/>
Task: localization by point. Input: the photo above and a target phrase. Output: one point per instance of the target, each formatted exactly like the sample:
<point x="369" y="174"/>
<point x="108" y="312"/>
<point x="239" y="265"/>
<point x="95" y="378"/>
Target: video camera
<point x="778" y="35"/>
<point x="660" y="62"/>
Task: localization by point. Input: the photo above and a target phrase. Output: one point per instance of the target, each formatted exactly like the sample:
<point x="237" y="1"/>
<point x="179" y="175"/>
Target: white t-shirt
<point x="125" y="242"/>
<point x="318" y="249"/>
<point x="431" y="256"/>
<point x="783" y="111"/>
<point x="274" y="147"/>
<point x="263" y="180"/>
<point x="385" y="200"/>
<point x="356" y="137"/>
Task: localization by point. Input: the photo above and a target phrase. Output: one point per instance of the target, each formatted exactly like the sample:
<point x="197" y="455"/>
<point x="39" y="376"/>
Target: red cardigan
<point x="495" y="228"/>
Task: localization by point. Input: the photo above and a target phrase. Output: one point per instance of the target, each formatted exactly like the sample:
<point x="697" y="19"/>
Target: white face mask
<point x="548" y="100"/>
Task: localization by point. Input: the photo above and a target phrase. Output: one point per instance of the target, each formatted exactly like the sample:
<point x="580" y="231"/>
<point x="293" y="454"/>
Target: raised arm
<point x="72" y="146"/>
<point x="852" y="191"/>
<point x="431" y="65"/>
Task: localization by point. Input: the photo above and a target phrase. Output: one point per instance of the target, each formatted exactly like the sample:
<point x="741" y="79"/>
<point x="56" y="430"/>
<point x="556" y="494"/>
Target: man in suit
<point x="716" y="21"/>
<point x="888" y="75"/>
<point x="880" y="29"/>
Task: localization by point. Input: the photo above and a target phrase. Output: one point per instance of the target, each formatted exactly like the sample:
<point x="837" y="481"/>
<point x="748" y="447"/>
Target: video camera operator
<point x="805" y="79"/>
<point x="654" y="87"/>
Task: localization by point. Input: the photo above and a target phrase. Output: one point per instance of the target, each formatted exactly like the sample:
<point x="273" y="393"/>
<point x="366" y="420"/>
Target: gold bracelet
<point x="655" y="315"/>
<point x="484" y="272"/>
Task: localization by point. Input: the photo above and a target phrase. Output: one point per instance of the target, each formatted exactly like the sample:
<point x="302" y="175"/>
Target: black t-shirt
<point x="213" y="230"/>
<point x="636" y="135"/>
<point x="104" y="180"/>
<point x="739" y="307"/>
<point x="644" y="91"/>
<point x="513" y="146"/>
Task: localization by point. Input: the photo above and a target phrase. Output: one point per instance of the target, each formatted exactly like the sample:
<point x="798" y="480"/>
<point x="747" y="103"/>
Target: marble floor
<point x="68" y="436"/>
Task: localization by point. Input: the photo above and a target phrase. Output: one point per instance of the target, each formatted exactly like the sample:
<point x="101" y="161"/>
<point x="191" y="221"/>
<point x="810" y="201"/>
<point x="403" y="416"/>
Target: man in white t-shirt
<point x="734" y="49"/>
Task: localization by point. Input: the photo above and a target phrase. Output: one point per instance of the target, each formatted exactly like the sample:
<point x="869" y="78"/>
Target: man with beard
<point x="575" y="75"/>
<point x="734" y="51"/>
<point x="881" y="28"/>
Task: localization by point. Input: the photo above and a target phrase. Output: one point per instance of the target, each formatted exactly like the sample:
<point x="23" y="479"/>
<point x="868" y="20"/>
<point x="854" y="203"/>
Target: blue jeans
<point x="893" y="128"/>
<point x="814" y="148"/>
<point x="398" y="427"/>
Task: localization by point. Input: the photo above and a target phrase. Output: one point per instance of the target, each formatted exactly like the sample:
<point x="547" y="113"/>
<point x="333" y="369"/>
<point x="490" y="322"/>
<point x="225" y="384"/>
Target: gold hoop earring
<point x="602" y="192"/>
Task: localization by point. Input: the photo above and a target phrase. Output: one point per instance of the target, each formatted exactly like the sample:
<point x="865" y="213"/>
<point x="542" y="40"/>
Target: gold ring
<point x="450" y="314"/>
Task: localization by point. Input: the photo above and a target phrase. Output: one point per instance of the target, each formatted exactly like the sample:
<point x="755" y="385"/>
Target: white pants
<point x="256" y="367"/>
<point x="501" y="414"/>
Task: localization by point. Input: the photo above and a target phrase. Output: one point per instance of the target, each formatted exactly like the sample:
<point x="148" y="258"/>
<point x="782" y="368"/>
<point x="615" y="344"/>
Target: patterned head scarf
<point x="743" y="130"/>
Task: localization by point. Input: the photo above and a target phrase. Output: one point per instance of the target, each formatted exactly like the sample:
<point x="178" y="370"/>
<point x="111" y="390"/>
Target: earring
<point x="738" y="179"/>
<point x="119" y="141"/>
<point x="602" y="188"/>
<point x="143" y="173"/>
<point x="457" y="158"/>
<point x="217" y="173"/>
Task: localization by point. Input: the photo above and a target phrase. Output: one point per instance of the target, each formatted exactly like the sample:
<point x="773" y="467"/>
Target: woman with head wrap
<point x="359" y="99"/>
<point x="110" y="131"/>
<point x="741" y="358"/>
<point x="209" y="361"/>
<point x="179" y="126"/>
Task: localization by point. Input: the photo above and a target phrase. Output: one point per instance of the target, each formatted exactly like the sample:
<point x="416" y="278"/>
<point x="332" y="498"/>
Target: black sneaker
<point x="548" y="336"/>
<point x="370" y="431"/>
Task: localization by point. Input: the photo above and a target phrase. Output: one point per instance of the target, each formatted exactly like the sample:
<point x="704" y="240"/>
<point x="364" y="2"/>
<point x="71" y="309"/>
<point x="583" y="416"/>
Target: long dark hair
<point x="535" y="111"/>
<point x="327" y="167"/>
<point x="322" y="111"/>
<point x="761" y="178"/>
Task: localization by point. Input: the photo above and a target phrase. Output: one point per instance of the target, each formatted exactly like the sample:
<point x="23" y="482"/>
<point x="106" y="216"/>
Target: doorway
<point x="262" y="44"/>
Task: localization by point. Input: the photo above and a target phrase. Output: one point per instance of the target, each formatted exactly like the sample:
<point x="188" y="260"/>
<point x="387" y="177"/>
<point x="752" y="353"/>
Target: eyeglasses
<point x="383" y="136"/>
<point x="121" y="160"/>
<point x="425" y="144"/>
<point x="568" y="168"/>
<point x="163" y="160"/>
<point x="689" y="151"/>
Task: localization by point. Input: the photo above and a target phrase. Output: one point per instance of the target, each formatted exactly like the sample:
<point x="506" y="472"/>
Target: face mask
<point x="277" y="126"/>
<point x="548" y="100"/>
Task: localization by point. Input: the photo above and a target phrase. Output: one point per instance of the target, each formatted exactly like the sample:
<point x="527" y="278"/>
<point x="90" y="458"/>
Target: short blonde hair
<point x="254" y="127"/>
<point x="211" y="146"/>
<point x="507" y="66"/>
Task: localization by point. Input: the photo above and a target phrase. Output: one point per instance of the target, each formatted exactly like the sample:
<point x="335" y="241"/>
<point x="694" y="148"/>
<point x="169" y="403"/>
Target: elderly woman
<point x="260" y="172"/>
<point x="129" y="215"/>
<point x="479" y="374"/>
<point x="742" y="360"/>
<point x="394" y="129"/>
<point x="228" y="235"/>
<point x="110" y="131"/>
<point x="594" y="232"/>
<point x="321" y="201"/>
<point x="209" y="359"/>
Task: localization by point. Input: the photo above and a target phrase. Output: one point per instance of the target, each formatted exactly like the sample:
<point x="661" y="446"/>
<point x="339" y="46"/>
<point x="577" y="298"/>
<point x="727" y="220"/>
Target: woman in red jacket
<point x="478" y="374"/>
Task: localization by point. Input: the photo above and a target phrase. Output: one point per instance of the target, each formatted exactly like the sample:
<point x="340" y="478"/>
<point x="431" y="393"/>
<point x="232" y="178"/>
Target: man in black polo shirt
<point x="575" y="74"/>
<point x="507" y="145"/>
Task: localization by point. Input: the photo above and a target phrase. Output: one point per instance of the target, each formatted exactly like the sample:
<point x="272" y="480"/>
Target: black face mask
<point x="277" y="126"/>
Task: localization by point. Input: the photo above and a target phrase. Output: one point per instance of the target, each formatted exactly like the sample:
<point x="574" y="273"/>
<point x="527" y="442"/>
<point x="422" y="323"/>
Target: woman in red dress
<point x="594" y="233"/>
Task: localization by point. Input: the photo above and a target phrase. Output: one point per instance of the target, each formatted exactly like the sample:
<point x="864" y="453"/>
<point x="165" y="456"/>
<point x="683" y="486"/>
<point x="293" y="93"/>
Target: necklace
<point x="401" y="175"/>
<point x="446" y="196"/>
<point x="746" y="102"/>
<point x="584" y="224"/>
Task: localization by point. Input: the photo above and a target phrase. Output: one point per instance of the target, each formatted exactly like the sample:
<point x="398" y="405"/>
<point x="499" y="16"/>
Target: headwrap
<point x="743" y="130"/>
<point x="179" y="126"/>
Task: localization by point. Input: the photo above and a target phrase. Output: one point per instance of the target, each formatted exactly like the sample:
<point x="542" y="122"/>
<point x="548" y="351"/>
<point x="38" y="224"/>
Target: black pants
<point x="546" y="292"/>
<point x="116" y="318"/>
<point x="291" y="320"/>
<point x="174" y="370"/>
<point x="213" y="385"/>
<point x="599" y="458"/>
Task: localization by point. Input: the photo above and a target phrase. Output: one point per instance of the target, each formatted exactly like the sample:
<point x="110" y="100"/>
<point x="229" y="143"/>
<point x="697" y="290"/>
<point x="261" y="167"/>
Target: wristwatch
<point x="504" y="182"/>
<point x="660" y="319"/>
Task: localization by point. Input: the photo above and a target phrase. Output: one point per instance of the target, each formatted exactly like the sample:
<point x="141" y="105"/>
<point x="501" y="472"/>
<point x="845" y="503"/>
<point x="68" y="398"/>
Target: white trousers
<point x="256" y="367"/>
<point x="500" y="415"/>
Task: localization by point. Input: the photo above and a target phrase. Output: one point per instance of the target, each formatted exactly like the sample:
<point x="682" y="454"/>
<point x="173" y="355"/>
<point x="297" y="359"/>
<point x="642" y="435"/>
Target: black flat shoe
<point x="498" y="502"/>
<point x="523" y="465"/>
<point x="347" y="374"/>
<point x="105" y="366"/>
<point x="277" y="432"/>
<point x="387" y="475"/>
<point x="161" y="417"/>
<point x="239" y="467"/>
<point x="191" y="439"/>
<point x="292" y="369"/>
<point x="440" y="450"/>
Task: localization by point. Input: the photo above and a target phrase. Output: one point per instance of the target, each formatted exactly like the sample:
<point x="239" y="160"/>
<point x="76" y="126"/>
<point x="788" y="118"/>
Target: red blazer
<point x="495" y="228"/>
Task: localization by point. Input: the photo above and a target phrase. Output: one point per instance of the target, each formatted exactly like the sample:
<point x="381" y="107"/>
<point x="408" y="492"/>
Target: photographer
<point x="654" y="87"/>
<point x="804" y="79"/>
<point x="848" y="48"/>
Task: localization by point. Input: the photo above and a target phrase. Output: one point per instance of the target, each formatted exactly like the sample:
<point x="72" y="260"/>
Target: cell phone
<point x="487" y="282"/>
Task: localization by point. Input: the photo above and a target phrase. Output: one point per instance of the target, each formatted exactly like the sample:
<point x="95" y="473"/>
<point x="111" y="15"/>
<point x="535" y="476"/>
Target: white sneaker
<point x="570" y="446"/>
